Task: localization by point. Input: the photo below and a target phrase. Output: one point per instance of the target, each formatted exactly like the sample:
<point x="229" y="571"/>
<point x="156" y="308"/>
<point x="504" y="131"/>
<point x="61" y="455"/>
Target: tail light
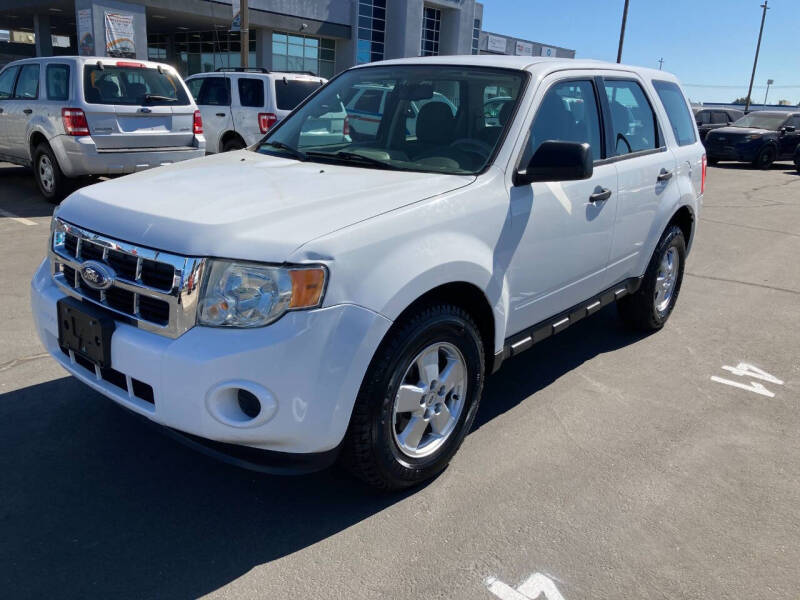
<point x="346" y="126"/>
<point x="74" y="120"/>
<point x="198" y="122"/>
<point x="703" y="180"/>
<point x="266" y="120"/>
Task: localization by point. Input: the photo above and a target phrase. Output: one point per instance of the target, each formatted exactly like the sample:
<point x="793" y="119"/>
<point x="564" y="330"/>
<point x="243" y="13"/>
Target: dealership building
<point x="320" y="36"/>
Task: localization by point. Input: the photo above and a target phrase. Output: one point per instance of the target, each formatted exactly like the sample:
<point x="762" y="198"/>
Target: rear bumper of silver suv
<point x="79" y="156"/>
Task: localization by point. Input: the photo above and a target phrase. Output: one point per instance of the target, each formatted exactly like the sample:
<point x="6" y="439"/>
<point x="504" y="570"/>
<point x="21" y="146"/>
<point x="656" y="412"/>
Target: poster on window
<point x="85" y="33"/>
<point x="120" y="38"/>
<point x="236" y="24"/>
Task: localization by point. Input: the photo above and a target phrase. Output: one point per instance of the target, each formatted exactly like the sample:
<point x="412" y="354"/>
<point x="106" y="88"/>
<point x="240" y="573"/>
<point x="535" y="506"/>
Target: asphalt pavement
<point x="610" y="464"/>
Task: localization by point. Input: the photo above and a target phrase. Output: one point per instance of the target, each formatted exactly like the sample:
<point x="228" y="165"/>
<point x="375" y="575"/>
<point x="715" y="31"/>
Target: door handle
<point x="27" y="111"/>
<point x="664" y="175"/>
<point x="220" y="114"/>
<point x="600" y="194"/>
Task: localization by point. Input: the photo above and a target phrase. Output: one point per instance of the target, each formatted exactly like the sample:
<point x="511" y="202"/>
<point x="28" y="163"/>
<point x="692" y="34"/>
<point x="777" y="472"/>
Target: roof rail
<point x="241" y="70"/>
<point x="298" y="72"/>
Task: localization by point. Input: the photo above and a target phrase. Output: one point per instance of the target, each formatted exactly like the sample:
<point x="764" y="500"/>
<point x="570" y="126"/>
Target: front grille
<point x="156" y="290"/>
<point x="138" y="389"/>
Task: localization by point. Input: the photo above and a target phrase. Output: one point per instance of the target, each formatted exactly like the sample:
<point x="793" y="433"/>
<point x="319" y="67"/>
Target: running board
<point x="519" y="342"/>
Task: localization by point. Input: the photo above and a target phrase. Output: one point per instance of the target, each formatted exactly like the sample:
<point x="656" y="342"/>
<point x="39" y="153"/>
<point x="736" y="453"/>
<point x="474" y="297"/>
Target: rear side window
<point x="568" y="113"/>
<point x="678" y="111"/>
<point x="7" y="78"/>
<point x="633" y="121"/>
<point x="57" y="82"/>
<point x="132" y="85"/>
<point x="718" y="117"/>
<point x="291" y="92"/>
<point x="28" y="83"/>
<point x="251" y="92"/>
<point x="214" y="91"/>
<point x="703" y="117"/>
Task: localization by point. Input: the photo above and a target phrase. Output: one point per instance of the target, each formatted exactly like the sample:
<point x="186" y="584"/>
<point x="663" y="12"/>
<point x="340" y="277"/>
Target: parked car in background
<point x="797" y="159"/>
<point x="69" y="117"/>
<point x="239" y="105"/>
<point x="759" y="138"/>
<point x="714" y="118"/>
<point x="298" y="302"/>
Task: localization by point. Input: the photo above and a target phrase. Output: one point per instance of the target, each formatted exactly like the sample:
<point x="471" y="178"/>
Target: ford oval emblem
<point x="97" y="275"/>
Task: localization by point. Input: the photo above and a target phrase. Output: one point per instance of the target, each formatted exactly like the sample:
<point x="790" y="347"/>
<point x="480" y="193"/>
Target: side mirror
<point x="557" y="161"/>
<point x="788" y="129"/>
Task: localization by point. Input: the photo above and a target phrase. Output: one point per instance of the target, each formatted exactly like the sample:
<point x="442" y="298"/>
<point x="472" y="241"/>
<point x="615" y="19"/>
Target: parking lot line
<point x="14" y="217"/>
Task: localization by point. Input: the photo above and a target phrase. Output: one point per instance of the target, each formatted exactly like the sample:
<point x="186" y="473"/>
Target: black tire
<point x="639" y="310"/>
<point x="370" y="450"/>
<point x="712" y="161"/>
<point x="53" y="184"/>
<point x="233" y="143"/>
<point x="765" y="158"/>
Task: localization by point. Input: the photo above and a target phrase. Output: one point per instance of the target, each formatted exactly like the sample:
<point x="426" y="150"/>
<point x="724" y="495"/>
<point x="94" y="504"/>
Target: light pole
<point x="622" y="31"/>
<point x="660" y="63"/>
<point x="769" y="83"/>
<point x="755" y="61"/>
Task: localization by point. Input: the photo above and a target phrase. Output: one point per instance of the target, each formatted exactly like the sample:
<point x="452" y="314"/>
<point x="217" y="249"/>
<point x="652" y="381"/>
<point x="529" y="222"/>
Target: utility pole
<point x="660" y="63"/>
<point x="244" y="33"/>
<point x="755" y="61"/>
<point x="769" y="83"/>
<point x="622" y="30"/>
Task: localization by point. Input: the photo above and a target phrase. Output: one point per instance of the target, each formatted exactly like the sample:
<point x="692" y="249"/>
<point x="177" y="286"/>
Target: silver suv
<point x="69" y="117"/>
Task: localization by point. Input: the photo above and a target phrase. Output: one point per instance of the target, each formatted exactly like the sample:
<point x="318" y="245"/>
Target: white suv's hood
<point x="245" y="205"/>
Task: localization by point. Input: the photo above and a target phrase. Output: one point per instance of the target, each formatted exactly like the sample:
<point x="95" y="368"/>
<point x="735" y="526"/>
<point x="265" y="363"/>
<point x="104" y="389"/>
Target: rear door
<point x="7" y="79"/>
<point x="130" y="106"/>
<point x="248" y="103"/>
<point x="213" y="96"/>
<point x="21" y="108"/>
<point x="645" y="170"/>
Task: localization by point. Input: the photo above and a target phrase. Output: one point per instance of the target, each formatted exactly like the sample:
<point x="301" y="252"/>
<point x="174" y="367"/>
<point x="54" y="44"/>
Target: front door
<point x="790" y="139"/>
<point x="565" y="227"/>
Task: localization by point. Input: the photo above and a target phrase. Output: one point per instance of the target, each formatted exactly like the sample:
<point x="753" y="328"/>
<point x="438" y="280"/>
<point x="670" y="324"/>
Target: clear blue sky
<point x="708" y="44"/>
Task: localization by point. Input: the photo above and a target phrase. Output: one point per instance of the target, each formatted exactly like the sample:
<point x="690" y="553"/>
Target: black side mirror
<point x="557" y="161"/>
<point x="788" y="129"/>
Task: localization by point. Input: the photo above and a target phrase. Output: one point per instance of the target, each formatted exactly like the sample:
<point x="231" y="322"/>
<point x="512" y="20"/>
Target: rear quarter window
<point x="57" y="77"/>
<point x="291" y="92"/>
<point x="677" y="111"/>
<point x="251" y="92"/>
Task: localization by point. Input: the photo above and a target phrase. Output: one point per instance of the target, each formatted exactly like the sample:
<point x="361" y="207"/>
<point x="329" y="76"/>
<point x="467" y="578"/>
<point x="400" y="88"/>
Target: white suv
<point x="69" y="117"/>
<point x="303" y="301"/>
<point x="239" y="105"/>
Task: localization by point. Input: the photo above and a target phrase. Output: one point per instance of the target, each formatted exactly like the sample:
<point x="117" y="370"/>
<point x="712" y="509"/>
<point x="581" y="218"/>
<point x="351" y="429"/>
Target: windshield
<point x="409" y="117"/>
<point x="760" y="121"/>
<point x="132" y="85"/>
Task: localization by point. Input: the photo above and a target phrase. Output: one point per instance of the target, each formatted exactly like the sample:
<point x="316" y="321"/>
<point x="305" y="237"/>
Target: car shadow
<point x="19" y="194"/>
<point x="95" y="503"/>
<point x="776" y="166"/>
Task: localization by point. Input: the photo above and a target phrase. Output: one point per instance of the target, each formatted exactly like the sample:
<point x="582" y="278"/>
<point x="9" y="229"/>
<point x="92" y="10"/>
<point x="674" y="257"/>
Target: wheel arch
<point x="684" y="219"/>
<point x="229" y="135"/>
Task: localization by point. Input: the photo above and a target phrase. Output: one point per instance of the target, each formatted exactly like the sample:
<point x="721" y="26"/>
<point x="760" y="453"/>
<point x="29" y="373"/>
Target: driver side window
<point x="568" y="112"/>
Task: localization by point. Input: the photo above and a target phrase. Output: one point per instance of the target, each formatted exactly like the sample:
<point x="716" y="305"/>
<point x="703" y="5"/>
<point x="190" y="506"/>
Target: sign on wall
<point x="120" y="37"/>
<point x="495" y="43"/>
<point x="236" y="23"/>
<point x="85" y="33"/>
<point x="523" y="49"/>
<point x="548" y="51"/>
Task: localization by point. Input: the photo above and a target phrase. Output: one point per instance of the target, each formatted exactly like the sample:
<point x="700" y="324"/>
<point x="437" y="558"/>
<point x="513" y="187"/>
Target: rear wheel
<point x="650" y="307"/>
<point x="53" y="184"/>
<point x="418" y="399"/>
<point x="712" y="161"/>
<point x="765" y="158"/>
<point x="233" y="143"/>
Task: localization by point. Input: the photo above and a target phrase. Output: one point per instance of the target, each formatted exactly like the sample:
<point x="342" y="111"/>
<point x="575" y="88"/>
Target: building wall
<point x="99" y="8"/>
<point x="488" y="41"/>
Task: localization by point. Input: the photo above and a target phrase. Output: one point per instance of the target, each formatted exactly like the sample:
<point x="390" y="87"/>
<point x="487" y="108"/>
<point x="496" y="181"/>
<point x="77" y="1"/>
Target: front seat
<point x="436" y="125"/>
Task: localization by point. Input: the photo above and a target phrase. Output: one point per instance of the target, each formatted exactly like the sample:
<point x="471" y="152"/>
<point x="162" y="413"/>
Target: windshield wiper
<point x="298" y="154"/>
<point x="156" y="97"/>
<point x="354" y="157"/>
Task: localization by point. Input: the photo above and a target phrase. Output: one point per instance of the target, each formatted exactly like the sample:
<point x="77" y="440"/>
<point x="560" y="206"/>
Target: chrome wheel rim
<point x="666" y="279"/>
<point x="430" y="400"/>
<point x="46" y="175"/>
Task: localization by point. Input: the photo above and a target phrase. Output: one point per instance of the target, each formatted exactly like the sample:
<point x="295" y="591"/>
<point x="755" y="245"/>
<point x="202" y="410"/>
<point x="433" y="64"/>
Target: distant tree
<point x="784" y="103"/>
<point x="742" y="100"/>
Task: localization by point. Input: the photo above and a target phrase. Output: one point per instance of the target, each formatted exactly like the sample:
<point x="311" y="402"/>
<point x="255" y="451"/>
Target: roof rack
<point x="298" y="72"/>
<point x="241" y="70"/>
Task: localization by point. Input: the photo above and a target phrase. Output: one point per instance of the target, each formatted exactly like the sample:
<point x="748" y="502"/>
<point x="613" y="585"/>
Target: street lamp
<point x="769" y="83"/>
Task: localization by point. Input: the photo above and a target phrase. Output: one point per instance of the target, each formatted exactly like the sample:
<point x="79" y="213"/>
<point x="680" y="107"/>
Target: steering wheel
<point x="472" y="145"/>
<point x="620" y="136"/>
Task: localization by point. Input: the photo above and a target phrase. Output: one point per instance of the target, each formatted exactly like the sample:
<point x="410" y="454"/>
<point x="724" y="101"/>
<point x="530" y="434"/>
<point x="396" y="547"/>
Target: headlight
<point x="244" y="294"/>
<point x="752" y="136"/>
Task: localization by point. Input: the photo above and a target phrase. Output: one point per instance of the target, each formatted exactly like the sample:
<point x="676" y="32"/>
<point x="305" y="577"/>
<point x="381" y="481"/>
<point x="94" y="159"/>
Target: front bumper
<point x="746" y="151"/>
<point x="306" y="370"/>
<point x="79" y="156"/>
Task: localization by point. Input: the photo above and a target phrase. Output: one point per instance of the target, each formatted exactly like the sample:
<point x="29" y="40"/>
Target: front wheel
<point x="765" y="158"/>
<point x="650" y="307"/>
<point x="418" y="399"/>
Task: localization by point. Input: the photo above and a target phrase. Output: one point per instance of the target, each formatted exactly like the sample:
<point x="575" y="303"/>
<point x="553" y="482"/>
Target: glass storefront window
<point x="201" y="51"/>
<point x="293" y="52"/>
<point x="371" y="30"/>
<point x="431" y="24"/>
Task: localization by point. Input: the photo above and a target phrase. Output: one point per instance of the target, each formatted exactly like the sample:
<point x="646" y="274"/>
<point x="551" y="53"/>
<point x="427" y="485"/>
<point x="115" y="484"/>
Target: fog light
<point x="248" y="403"/>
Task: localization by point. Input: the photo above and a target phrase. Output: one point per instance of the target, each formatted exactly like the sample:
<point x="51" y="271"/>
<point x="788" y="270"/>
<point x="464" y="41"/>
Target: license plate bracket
<point x="85" y="330"/>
